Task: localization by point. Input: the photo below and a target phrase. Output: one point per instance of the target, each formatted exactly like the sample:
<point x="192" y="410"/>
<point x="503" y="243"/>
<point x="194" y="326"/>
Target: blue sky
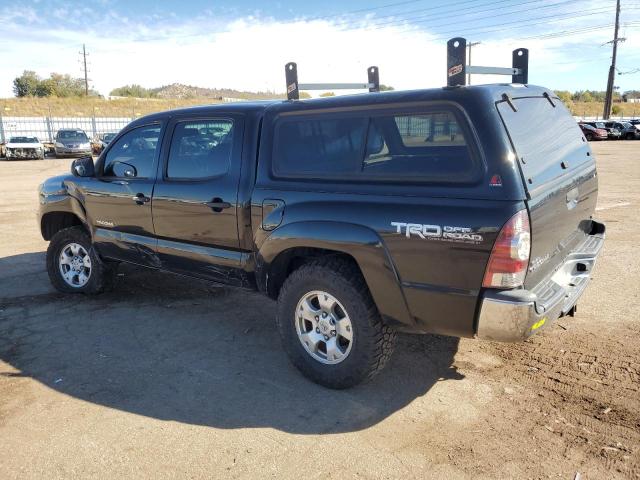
<point x="244" y="44"/>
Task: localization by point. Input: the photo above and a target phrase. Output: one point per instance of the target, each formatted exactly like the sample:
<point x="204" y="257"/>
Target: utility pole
<point x="612" y="69"/>
<point x="469" y="45"/>
<point x="86" y="77"/>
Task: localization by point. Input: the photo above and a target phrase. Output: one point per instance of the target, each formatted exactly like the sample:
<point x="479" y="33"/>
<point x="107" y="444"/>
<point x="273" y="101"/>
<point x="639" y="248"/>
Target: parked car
<point x="102" y="142"/>
<point x="72" y="142"/>
<point x="23" y="148"/>
<point x="363" y="215"/>
<point x="592" y="133"/>
<point x="636" y="123"/>
<point x="627" y="130"/>
<point x="612" y="132"/>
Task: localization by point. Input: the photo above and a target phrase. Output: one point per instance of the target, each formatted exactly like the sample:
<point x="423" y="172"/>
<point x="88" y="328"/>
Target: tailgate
<point x="559" y="174"/>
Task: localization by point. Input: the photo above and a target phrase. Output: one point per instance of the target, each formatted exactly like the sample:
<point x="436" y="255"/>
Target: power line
<point x="444" y="15"/>
<point x="369" y="9"/>
<point x="517" y="24"/>
<point x="436" y="7"/>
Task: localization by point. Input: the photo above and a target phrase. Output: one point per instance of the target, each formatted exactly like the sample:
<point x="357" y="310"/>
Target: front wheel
<point x="73" y="265"/>
<point x="330" y="326"/>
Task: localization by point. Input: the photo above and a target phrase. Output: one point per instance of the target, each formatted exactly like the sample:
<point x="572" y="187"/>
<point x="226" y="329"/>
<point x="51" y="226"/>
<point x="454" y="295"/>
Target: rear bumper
<point x="514" y="315"/>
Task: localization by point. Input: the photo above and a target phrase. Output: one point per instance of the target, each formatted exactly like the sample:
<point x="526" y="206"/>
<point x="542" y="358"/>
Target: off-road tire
<point x="373" y="341"/>
<point x="102" y="275"/>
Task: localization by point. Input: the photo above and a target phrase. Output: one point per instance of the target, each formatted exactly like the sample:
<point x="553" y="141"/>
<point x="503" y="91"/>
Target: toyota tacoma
<point x="429" y="211"/>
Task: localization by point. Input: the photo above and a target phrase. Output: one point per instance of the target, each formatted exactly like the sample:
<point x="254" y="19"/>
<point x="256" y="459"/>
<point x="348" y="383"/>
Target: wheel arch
<point x="52" y="222"/>
<point x="291" y="245"/>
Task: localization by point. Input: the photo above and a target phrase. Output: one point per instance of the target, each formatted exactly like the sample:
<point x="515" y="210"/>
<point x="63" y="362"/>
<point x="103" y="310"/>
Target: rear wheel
<point x="630" y="136"/>
<point x="589" y="137"/>
<point x="73" y="265"/>
<point x="330" y="326"/>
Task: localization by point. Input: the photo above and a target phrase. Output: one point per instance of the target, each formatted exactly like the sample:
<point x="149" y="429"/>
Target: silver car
<point x="72" y="142"/>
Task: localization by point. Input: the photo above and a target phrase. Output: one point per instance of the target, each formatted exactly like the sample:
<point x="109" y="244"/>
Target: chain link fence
<point x="45" y="128"/>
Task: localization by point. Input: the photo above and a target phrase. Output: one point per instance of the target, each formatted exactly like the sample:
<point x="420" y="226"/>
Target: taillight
<point x="509" y="259"/>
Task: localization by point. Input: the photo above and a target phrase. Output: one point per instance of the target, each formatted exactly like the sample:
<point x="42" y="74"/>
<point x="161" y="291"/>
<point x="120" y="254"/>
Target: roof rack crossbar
<point x="457" y="67"/>
<point x="335" y="86"/>
<point x="492" y="70"/>
<point x="294" y="87"/>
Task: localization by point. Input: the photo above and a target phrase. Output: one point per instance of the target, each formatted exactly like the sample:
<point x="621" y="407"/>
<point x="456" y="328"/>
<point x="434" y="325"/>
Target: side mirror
<point x="83" y="167"/>
<point x="124" y="170"/>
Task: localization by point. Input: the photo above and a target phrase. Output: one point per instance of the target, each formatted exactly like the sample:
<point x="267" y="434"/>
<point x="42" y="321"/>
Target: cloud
<point x="250" y="52"/>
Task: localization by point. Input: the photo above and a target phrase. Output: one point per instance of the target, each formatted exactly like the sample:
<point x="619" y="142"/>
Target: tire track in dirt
<point x="582" y="388"/>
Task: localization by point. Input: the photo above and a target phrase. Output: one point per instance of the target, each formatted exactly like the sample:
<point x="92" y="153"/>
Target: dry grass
<point x="132" y="107"/>
<point x="594" y="109"/>
<point x="86" y="107"/>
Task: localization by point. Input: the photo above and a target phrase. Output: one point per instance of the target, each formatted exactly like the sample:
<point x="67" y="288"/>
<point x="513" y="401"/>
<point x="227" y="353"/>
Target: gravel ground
<point x="170" y="377"/>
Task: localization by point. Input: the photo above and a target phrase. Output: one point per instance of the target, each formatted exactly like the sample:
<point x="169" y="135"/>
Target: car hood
<point x="24" y="145"/>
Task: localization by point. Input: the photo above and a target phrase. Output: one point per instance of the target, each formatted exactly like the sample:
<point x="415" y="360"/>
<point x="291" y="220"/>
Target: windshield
<point x="23" y="140"/>
<point x="73" y="135"/>
<point x="626" y="125"/>
<point x="600" y="125"/>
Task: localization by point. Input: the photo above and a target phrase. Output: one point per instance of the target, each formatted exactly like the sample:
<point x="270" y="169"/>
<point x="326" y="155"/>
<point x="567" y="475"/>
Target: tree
<point x="26" y="84"/>
<point x="46" y="88"/>
<point x="57" y="85"/>
<point x="386" y="88"/>
<point x="565" y="96"/>
<point x="328" y="94"/>
<point x="64" y="85"/>
<point x="133" y="90"/>
<point x="586" y="97"/>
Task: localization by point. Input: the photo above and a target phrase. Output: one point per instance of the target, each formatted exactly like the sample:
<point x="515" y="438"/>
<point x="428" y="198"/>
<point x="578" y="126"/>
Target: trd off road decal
<point x="444" y="233"/>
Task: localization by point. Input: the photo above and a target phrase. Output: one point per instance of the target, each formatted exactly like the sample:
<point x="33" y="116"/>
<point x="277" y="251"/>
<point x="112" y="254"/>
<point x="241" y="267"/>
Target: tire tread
<point x="384" y="336"/>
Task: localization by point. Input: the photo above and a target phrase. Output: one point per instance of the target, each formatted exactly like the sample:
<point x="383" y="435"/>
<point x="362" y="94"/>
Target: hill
<point x="180" y="91"/>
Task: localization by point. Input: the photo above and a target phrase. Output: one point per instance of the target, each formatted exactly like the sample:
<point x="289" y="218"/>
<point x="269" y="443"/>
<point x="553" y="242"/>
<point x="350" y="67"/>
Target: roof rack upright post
<point x="291" y="75"/>
<point x="374" y="79"/>
<point x="520" y="60"/>
<point x="456" y="61"/>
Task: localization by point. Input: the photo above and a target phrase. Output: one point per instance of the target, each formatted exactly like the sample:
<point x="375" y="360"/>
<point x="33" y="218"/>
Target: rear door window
<point x="200" y="149"/>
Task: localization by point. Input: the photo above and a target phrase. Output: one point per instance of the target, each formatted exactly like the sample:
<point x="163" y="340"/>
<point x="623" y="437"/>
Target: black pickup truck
<point x="464" y="211"/>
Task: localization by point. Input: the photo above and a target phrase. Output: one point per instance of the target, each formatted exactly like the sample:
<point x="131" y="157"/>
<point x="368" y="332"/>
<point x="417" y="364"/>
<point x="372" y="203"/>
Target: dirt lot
<point x="167" y="377"/>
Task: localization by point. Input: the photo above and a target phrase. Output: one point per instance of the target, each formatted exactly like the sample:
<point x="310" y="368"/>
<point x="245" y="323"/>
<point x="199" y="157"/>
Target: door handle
<point x="217" y="204"/>
<point x="140" y="198"/>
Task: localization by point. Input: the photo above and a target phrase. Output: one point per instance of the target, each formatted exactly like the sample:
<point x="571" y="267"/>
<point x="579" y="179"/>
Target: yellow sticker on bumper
<point x="538" y="324"/>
